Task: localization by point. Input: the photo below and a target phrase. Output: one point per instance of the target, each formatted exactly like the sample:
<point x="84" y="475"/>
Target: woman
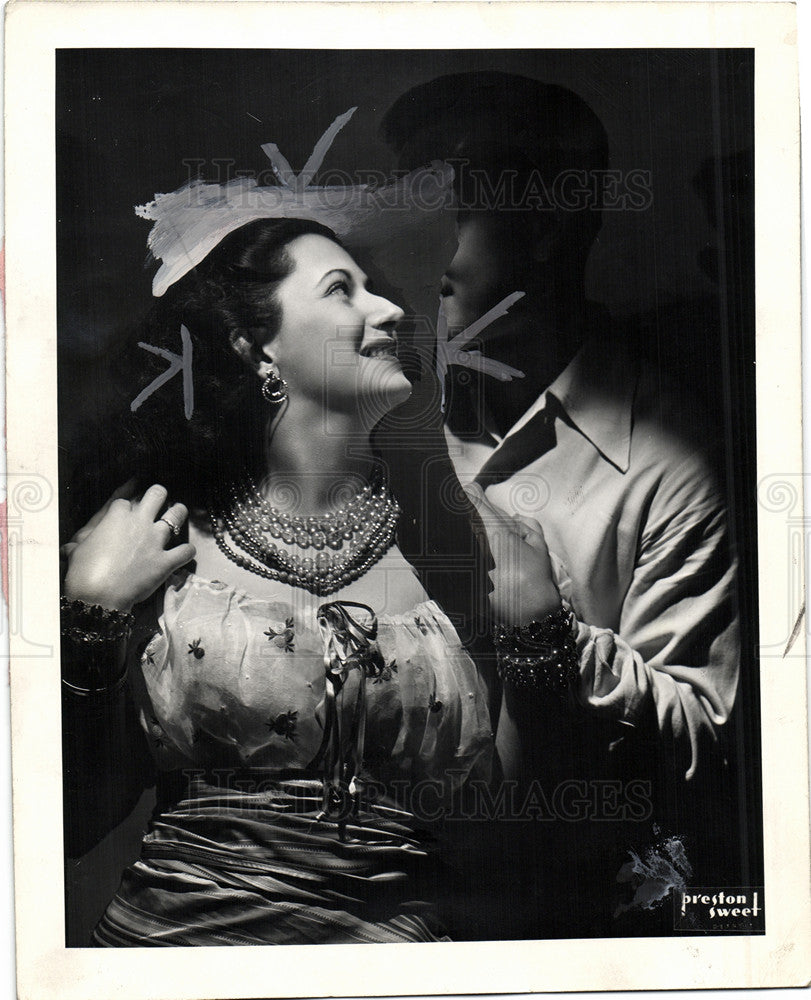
<point x="287" y="664"/>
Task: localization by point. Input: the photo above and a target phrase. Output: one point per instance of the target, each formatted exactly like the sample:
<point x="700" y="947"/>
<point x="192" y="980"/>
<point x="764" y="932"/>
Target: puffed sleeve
<point x="444" y="731"/>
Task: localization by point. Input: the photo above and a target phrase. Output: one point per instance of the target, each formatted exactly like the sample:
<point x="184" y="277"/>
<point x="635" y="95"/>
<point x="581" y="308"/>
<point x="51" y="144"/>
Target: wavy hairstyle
<point x="231" y="292"/>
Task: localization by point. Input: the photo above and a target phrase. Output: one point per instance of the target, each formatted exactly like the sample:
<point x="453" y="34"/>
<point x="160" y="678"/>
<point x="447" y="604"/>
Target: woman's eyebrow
<point x="333" y="272"/>
<point x="360" y="277"/>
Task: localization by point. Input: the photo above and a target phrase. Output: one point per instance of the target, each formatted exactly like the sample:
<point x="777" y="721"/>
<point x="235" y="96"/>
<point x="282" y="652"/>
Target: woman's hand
<point x="523" y="588"/>
<point x="119" y="557"/>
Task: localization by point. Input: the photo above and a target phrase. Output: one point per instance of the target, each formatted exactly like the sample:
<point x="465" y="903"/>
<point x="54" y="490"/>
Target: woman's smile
<point x="380" y="348"/>
<point x="336" y="345"/>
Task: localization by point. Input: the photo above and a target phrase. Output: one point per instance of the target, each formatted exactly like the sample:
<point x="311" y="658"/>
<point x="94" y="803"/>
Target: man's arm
<point x="677" y="649"/>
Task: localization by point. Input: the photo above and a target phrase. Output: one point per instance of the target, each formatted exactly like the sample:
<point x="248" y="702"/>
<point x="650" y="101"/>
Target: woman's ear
<point x="246" y="349"/>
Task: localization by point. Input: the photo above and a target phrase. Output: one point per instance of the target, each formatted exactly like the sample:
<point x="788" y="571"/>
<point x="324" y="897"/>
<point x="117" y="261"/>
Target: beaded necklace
<point x="358" y="535"/>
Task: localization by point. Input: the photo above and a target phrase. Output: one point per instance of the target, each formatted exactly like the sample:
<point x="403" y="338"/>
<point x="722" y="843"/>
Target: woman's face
<point x="335" y="345"/>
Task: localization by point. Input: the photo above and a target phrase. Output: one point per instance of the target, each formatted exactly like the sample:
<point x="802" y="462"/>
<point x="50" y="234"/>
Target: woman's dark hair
<point x="229" y="293"/>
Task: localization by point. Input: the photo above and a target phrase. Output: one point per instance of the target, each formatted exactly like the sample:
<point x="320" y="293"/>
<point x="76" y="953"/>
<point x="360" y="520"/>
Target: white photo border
<point x="45" y="967"/>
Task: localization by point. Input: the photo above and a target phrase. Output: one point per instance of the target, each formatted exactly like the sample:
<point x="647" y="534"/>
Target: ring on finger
<point x="173" y="518"/>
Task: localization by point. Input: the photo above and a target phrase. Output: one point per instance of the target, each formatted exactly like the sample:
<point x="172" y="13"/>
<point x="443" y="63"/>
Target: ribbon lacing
<point x="349" y="645"/>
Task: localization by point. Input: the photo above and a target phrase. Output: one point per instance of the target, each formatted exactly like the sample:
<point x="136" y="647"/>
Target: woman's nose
<point x="383" y="313"/>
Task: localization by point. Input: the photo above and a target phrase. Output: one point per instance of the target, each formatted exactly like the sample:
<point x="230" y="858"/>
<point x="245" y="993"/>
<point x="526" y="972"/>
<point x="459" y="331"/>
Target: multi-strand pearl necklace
<point x="358" y="535"/>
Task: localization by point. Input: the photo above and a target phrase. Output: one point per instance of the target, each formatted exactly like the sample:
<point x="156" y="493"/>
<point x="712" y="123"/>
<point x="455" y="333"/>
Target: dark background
<point x="128" y="119"/>
<point x="678" y="277"/>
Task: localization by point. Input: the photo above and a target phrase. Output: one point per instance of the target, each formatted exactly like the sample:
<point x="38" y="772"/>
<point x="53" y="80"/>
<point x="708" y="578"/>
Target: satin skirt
<point x="225" y="866"/>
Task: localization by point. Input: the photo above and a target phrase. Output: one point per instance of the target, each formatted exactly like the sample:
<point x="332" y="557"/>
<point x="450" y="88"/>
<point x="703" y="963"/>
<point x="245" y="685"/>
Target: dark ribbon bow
<point x="348" y="645"/>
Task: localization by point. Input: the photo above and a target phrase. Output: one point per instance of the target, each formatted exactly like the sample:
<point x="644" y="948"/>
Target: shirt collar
<point x="596" y="392"/>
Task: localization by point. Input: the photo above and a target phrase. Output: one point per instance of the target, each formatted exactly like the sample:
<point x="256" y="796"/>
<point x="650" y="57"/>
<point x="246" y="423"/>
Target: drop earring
<point x="274" y="388"/>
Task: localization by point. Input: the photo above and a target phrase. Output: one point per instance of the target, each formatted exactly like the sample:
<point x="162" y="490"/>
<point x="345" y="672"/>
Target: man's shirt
<point x="636" y="525"/>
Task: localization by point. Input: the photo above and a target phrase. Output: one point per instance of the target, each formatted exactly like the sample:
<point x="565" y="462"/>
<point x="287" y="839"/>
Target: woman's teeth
<point x="384" y="351"/>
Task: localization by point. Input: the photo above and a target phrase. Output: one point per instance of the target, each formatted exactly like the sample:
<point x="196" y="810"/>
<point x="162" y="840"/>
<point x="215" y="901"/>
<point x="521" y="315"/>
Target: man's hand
<point x="523" y="588"/>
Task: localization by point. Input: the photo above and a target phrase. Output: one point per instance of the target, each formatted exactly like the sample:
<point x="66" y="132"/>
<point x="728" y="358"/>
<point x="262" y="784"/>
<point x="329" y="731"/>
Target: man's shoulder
<point x="675" y="433"/>
<point x="668" y="421"/>
<point x="668" y="410"/>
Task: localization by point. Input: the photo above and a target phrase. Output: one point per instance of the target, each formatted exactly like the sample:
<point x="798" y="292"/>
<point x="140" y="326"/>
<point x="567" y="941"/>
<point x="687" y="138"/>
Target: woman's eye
<point x="339" y="288"/>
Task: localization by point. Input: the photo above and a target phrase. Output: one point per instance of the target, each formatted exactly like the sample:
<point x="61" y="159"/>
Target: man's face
<point x="490" y="263"/>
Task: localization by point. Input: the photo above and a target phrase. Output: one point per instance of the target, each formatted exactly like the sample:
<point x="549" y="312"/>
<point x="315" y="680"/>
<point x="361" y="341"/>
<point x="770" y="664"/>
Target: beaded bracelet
<point x="91" y="623"/>
<point x="540" y="655"/>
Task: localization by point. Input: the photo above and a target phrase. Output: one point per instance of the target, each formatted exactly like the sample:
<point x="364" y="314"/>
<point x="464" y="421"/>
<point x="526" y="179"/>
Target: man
<point x="597" y="479"/>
